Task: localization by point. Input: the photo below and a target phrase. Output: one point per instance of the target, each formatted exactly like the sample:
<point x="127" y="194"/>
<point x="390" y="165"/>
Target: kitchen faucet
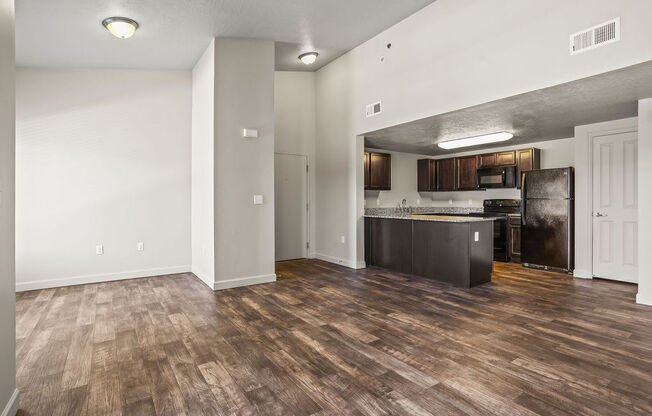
<point x="403" y="206"/>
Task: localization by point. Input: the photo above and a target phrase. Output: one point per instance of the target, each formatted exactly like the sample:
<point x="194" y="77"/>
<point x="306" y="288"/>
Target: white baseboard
<point x="342" y="262"/>
<point x="11" y="408"/>
<point x="243" y="281"/>
<point x="643" y="300"/>
<point x="582" y="274"/>
<point x="97" y="278"/>
<point x="203" y="277"/>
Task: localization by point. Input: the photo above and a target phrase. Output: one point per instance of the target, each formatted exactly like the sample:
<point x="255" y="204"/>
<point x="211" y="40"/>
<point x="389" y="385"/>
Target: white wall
<point x="451" y="55"/>
<point x="8" y="392"/>
<point x="244" y="98"/>
<point x="203" y="96"/>
<point x="554" y="154"/>
<point x="295" y="129"/>
<point x="339" y="196"/>
<point x="644" y="201"/>
<point x="584" y="189"/>
<point x="103" y="157"/>
<point x="458" y="53"/>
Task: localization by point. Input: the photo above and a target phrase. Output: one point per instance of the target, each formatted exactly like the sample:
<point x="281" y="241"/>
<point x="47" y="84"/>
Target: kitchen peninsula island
<point x="447" y="248"/>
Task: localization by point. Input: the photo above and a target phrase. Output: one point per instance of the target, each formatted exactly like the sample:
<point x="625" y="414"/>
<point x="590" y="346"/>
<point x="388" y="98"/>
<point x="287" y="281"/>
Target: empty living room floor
<point x="328" y="340"/>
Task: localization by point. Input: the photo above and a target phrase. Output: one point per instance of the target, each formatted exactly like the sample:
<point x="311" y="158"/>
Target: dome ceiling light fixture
<point x="308" y="58"/>
<point x="120" y="27"/>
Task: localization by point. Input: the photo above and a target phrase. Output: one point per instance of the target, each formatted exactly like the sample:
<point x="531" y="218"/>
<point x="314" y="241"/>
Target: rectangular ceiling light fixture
<point x="476" y="140"/>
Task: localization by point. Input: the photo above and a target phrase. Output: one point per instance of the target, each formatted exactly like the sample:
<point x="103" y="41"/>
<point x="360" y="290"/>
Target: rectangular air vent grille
<point x="596" y="36"/>
<point x="374" y="109"/>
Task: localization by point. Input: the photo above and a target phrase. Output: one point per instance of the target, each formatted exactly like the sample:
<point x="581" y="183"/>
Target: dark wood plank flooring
<point x="326" y="340"/>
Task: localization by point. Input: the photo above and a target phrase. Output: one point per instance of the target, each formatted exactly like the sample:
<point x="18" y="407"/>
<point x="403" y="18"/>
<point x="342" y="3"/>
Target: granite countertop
<point x="424" y="217"/>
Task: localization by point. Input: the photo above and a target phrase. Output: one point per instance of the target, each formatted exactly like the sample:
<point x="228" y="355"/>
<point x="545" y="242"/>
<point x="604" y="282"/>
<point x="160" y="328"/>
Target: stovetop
<point x="494" y="208"/>
<point x="502" y="206"/>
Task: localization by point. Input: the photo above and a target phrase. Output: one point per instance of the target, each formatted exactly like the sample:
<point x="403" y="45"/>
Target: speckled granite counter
<point x="426" y="217"/>
<point x="392" y="211"/>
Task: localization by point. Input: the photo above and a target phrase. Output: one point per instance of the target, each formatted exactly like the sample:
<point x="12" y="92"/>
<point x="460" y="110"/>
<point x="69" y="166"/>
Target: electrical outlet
<point x="99" y="250"/>
<point x="140" y="246"/>
<point x="470" y="202"/>
<point x="342" y="239"/>
<point x="450" y="202"/>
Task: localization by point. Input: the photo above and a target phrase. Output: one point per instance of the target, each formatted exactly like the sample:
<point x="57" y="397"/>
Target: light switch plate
<point x="477" y="236"/>
<point x="250" y="133"/>
<point x="99" y="250"/>
<point x="258" y="200"/>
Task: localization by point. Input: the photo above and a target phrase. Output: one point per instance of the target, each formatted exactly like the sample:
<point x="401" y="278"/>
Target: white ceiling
<point x="546" y="114"/>
<point x="174" y="33"/>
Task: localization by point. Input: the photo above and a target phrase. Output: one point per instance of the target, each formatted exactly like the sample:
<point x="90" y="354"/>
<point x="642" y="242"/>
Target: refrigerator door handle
<point x="523" y="212"/>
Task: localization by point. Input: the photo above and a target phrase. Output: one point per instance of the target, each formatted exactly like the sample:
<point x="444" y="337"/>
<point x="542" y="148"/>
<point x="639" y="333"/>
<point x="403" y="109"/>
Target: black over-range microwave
<point x="497" y="177"/>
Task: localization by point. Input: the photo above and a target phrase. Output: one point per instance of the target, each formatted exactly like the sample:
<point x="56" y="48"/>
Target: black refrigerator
<point x="547" y="219"/>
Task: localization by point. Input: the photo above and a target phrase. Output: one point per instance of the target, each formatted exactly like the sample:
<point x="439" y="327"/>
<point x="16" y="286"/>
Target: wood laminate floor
<point x="326" y="340"/>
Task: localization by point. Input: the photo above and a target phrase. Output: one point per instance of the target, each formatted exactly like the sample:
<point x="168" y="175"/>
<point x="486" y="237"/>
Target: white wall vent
<point x="596" y="36"/>
<point x="374" y="109"/>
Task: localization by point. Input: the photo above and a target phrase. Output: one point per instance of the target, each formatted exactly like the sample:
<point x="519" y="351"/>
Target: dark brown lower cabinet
<point x="444" y="251"/>
<point x="514" y="239"/>
<point x="391" y="244"/>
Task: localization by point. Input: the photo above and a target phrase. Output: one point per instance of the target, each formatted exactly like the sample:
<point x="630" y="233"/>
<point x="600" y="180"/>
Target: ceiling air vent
<point x="600" y="35"/>
<point x="374" y="109"/>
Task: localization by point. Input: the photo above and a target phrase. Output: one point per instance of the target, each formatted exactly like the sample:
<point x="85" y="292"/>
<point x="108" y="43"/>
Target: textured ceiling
<point x="174" y="33"/>
<point x="547" y="114"/>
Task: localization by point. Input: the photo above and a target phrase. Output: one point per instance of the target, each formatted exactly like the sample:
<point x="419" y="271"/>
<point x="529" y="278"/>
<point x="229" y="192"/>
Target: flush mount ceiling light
<point x="308" y="58"/>
<point x="476" y="140"/>
<point x="120" y="27"/>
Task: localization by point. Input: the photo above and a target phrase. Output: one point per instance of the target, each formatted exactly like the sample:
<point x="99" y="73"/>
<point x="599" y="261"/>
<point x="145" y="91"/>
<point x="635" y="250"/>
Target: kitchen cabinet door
<point x="366" y="170"/>
<point x="380" y="171"/>
<point x="506" y="158"/>
<point x="526" y="159"/>
<point x="426" y="175"/>
<point x="466" y="173"/>
<point x="515" y="239"/>
<point x="446" y="174"/>
<point x="488" y="160"/>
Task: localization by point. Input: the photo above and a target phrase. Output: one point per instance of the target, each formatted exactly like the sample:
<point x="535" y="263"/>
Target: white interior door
<point x="615" y="207"/>
<point x="290" y="206"/>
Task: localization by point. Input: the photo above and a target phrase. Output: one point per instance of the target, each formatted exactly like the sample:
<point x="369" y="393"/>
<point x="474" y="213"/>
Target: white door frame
<point x="591" y="136"/>
<point x="308" y="207"/>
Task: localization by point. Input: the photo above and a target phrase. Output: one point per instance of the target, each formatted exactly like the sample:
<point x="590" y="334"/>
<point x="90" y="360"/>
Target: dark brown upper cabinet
<point x="366" y="170"/>
<point x="378" y="171"/>
<point x="526" y="159"/>
<point x="488" y="160"/>
<point x="426" y="175"/>
<point x="446" y="175"/>
<point x="466" y="172"/>
<point x="506" y="158"/>
<point x="497" y="159"/>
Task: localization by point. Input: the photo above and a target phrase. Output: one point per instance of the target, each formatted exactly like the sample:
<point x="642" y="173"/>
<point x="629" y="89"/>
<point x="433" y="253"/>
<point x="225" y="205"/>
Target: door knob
<point x="599" y="214"/>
